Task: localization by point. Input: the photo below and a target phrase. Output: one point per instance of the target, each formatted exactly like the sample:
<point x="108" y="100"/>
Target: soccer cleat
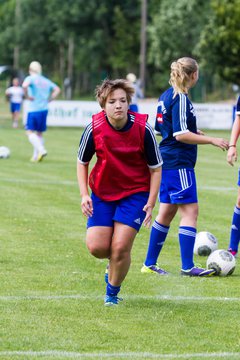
<point x="196" y="271"/>
<point x="106" y="274"/>
<point x="233" y="252"/>
<point x="112" y="300"/>
<point x="33" y="159"/>
<point x="15" y="125"/>
<point x="153" y="269"/>
<point x="42" y="155"/>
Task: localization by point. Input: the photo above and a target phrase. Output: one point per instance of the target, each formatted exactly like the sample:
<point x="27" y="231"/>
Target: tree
<point x="7" y="31"/>
<point x="174" y="32"/>
<point x="220" y="39"/>
<point x="125" y="41"/>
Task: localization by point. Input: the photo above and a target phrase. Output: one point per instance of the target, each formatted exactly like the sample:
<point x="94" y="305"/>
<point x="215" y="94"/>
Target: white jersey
<point x="16" y="94"/>
<point x="138" y="94"/>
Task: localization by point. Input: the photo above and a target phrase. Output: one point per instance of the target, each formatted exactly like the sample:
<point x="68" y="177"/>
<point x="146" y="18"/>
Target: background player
<point x="124" y="181"/>
<point x="176" y="121"/>
<point x="15" y="94"/>
<point x="39" y="90"/>
<point x="138" y="94"/>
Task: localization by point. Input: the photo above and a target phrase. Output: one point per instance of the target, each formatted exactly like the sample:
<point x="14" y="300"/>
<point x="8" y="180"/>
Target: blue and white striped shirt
<point x="176" y="116"/>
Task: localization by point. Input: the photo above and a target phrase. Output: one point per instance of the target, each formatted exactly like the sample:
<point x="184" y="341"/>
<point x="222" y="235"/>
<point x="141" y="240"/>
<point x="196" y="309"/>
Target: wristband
<point x="232" y="146"/>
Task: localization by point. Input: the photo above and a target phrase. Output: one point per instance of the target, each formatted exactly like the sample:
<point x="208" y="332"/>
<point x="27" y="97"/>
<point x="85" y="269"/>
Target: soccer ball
<point x="222" y="261"/>
<point x="4" y="152"/>
<point x="205" y="243"/>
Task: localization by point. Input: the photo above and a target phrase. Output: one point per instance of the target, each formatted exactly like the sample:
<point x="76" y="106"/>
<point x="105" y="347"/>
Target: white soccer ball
<point x="4" y="152"/>
<point x="222" y="261"/>
<point x="205" y="243"/>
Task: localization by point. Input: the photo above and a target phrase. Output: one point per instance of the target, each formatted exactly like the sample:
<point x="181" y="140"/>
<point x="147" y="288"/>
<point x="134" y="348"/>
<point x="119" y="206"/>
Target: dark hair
<point x="108" y="86"/>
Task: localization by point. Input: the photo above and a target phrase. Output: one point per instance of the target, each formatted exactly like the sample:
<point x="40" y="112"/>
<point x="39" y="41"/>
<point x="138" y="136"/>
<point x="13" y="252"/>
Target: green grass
<point x="51" y="294"/>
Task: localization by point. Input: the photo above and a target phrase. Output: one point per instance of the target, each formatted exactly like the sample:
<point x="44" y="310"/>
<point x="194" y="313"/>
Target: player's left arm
<point x="154" y="161"/>
<point x="192" y="138"/>
<point x="181" y="112"/>
<point x="55" y="92"/>
<point x="155" y="180"/>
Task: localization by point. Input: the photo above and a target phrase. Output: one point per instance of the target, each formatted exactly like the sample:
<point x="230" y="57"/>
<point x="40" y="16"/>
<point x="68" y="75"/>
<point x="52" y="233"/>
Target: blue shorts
<point x="37" y="121"/>
<point x="128" y="211"/>
<point x="133" y="107"/>
<point x="178" y="187"/>
<point x="238" y="177"/>
<point x="15" y="107"/>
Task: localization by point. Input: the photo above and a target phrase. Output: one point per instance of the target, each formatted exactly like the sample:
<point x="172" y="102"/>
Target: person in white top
<point x="138" y="93"/>
<point x="15" y="94"/>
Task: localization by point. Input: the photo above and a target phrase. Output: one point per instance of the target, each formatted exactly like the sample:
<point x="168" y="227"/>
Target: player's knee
<point x="98" y="251"/>
<point x="120" y="253"/>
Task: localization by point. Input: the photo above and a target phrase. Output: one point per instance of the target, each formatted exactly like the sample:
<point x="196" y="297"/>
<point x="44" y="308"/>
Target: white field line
<point x="36" y="181"/>
<point x="122" y="355"/>
<point x="127" y="297"/>
<point x="74" y="183"/>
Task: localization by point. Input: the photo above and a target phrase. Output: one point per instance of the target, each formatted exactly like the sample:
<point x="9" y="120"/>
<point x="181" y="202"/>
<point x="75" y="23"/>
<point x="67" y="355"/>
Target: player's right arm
<point x="86" y="202"/>
<point x="232" y="151"/>
<point x="85" y="153"/>
<point x="8" y="94"/>
<point x="55" y="92"/>
<point x="25" y="85"/>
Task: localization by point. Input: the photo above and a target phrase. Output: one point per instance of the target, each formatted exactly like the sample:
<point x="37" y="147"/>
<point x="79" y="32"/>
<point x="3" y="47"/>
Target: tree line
<point x="87" y="41"/>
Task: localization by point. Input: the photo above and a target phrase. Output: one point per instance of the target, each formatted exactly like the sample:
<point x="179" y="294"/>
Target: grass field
<point x="52" y="290"/>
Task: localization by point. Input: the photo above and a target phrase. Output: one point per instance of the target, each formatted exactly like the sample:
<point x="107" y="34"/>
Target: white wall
<point x="79" y="113"/>
<point x="209" y="116"/>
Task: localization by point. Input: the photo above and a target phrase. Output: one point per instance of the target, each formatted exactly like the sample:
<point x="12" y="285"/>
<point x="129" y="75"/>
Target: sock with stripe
<point x="112" y="290"/>
<point x="187" y="237"/>
<point x="235" y="230"/>
<point x="157" y="238"/>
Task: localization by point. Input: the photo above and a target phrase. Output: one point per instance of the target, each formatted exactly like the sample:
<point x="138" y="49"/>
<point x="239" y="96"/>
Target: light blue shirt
<point x="40" y="88"/>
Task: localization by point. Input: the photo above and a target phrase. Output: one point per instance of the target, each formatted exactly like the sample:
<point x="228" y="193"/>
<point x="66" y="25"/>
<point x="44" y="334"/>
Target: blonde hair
<point x="35" y="67"/>
<point x="108" y="86"/>
<point x="180" y="76"/>
<point x="131" y="77"/>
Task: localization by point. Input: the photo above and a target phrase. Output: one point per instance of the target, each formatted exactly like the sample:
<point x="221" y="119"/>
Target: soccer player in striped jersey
<point x="176" y="122"/>
<point x="231" y="158"/>
<point x="124" y="180"/>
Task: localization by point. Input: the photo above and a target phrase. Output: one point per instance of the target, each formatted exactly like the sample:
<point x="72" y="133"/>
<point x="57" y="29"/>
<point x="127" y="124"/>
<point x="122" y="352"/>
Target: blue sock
<point x="112" y="290"/>
<point x="187" y="237"/>
<point x="235" y="230"/>
<point x="157" y="238"/>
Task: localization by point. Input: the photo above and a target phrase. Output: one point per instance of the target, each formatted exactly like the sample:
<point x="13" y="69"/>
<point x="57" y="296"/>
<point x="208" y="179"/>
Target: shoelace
<point x="117" y="298"/>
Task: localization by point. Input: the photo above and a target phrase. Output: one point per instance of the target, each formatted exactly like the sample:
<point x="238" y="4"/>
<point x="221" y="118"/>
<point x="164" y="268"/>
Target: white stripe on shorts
<point x="183" y="178"/>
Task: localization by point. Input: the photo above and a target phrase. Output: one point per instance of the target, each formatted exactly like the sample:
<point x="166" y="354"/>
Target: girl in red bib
<point x="124" y="180"/>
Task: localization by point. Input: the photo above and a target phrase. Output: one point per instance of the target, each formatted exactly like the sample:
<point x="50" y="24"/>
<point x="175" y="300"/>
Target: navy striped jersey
<point x="153" y="156"/>
<point x="176" y="116"/>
